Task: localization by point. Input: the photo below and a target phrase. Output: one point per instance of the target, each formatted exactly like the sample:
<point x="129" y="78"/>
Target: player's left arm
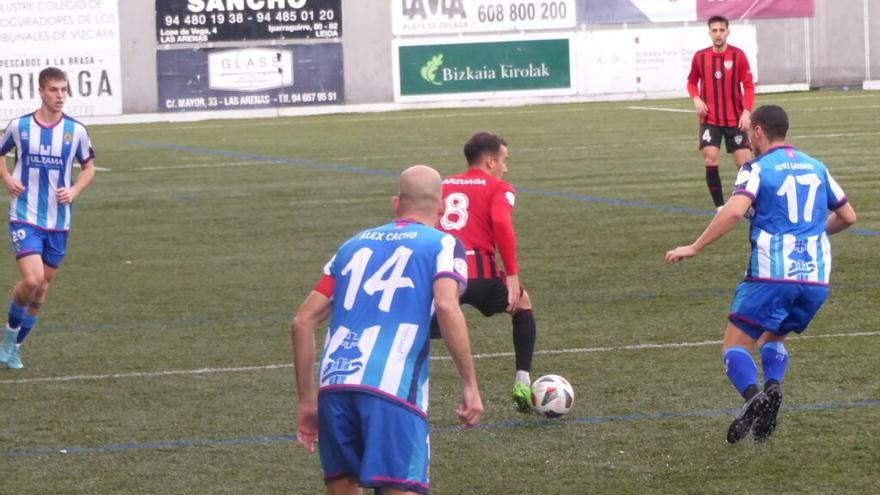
<point x="723" y="222"/>
<point x="314" y="310"/>
<point x="842" y="215"/>
<point x="748" y="86"/>
<point x="505" y="239"/>
<point x="85" y="155"/>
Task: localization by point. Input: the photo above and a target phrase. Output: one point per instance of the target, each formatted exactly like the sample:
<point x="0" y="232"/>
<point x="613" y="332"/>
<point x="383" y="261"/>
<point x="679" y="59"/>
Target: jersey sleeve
<point x="748" y="180"/>
<point x="84" y="151"/>
<point x="328" y="281"/>
<point x="748" y="83"/>
<point x="501" y="212"/>
<point x="451" y="262"/>
<point x="836" y="196"/>
<point x="7" y="140"/>
<point x="694" y="78"/>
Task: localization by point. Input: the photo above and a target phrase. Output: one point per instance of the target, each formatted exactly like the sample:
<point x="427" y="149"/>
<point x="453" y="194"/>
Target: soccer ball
<point x="552" y="396"/>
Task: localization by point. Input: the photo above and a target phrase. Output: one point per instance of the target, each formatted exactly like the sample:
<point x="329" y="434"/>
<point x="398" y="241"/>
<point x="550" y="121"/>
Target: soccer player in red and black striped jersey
<point x="720" y="84"/>
<point x="479" y="212"/>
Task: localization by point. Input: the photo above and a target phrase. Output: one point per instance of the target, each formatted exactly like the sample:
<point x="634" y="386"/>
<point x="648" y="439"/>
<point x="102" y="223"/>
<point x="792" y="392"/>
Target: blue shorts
<point x="777" y="307"/>
<point x="380" y="443"/>
<point x="28" y="240"/>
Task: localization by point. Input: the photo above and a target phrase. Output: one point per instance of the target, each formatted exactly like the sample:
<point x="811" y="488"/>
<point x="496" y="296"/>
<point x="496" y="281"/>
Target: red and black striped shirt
<point x="724" y="81"/>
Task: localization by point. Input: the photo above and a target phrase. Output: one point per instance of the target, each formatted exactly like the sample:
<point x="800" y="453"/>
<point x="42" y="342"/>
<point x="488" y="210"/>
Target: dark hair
<point x="52" y="74"/>
<point x="480" y="144"/>
<point x="718" y="18"/>
<point x="773" y="119"/>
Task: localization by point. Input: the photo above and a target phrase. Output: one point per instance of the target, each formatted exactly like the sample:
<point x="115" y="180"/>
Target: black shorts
<point x="734" y="138"/>
<point x="488" y="295"/>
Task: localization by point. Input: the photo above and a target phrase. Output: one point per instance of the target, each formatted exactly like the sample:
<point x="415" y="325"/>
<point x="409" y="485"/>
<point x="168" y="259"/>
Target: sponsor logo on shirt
<point x="50" y="162"/>
<point x="344" y="361"/>
<point x="802" y="264"/>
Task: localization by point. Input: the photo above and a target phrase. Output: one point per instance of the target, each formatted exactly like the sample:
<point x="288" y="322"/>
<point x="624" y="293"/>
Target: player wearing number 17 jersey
<point x="479" y="211"/>
<point x="796" y="204"/>
<point x="380" y="290"/>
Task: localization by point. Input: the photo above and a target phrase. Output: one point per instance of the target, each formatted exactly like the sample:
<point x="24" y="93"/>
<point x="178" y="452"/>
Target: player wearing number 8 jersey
<point x="796" y="205"/>
<point x="370" y="411"/>
<point x="479" y="211"/>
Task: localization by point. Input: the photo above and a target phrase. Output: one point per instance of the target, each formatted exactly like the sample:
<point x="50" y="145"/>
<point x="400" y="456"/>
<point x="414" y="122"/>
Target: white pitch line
<point x="662" y="109"/>
<point x="581" y="350"/>
<point x="209" y="165"/>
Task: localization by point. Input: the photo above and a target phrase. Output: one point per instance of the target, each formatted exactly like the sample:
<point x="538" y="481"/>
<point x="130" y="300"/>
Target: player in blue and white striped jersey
<point x="42" y="191"/>
<point x="794" y="206"/>
<point x="380" y="291"/>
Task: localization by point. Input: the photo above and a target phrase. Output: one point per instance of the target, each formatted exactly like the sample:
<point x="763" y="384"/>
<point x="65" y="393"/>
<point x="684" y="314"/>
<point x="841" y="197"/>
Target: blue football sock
<point x="16" y="313"/>
<point x="740" y="368"/>
<point x="774" y="360"/>
<point x="27" y="323"/>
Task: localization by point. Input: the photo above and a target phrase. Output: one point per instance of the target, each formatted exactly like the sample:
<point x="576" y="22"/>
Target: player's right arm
<point x="693" y="88"/>
<point x="7" y="142"/>
<point x="314" y="310"/>
<point x="453" y="327"/>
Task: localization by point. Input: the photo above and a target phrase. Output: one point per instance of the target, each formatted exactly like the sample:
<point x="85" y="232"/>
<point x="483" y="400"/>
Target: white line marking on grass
<point x="209" y="165"/>
<point x="581" y="350"/>
<point x="662" y="109"/>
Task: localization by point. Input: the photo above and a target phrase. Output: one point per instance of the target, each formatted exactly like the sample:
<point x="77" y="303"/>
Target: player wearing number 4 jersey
<point x="796" y="206"/>
<point x="720" y="84"/>
<point x="479" y="211"/>
<point x="370" y="412"/>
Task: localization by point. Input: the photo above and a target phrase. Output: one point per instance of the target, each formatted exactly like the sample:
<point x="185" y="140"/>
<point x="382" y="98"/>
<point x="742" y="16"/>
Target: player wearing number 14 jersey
<point x="796" y="206"/>
<point x="479" y="211"/>
<point x="380" y="290"/>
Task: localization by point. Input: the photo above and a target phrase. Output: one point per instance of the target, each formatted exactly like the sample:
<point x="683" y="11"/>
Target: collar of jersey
<point x="774" y="148"/>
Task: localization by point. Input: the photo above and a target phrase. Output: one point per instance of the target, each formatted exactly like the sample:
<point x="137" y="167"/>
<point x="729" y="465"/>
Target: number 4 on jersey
<point x="378" y="282"/>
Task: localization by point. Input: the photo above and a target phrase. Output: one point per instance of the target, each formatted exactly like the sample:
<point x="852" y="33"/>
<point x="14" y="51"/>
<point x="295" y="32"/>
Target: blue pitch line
<point x="368" y="171"/>
<point x="501" y="425"/>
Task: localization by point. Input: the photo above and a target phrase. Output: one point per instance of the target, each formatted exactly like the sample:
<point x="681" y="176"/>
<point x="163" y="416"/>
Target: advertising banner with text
<point x="454" y="69"/>
<point x="650" y="60"/>
<point x="257" y="77"/>
<point x="80" y="37"/>
<point x="204" y="21"/>
<point x="755" y="9"/>
<point x="648" y="11"/>
<point x="421" y="17"/>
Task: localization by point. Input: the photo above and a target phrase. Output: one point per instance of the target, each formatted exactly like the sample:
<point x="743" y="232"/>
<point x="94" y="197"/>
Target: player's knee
<point x="524" y="303"/>
<point x="710" y="162"/>
<point x="31" y="284"/>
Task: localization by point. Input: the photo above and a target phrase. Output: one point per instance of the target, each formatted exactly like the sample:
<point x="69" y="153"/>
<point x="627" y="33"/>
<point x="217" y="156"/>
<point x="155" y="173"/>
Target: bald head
<point x="420" y="191"/>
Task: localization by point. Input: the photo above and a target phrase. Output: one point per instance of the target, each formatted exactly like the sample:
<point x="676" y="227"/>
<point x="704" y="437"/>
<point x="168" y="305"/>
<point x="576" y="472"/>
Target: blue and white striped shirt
<point x="43" y="163"/>
<point x="792" y="195"/>
<point x="378" y="339"/>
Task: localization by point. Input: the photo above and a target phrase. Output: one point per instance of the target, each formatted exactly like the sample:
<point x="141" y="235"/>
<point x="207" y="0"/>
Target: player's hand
<point x="680" y="253"/>
<point x="700" y="106"/>
<point x="514" y="292"/>
<point x="307" y="426"/>
<point x="471" y="408"/>
<point x="66" y="195"/>
<point x="745" y="121"/>
<point x="14" y="187"/>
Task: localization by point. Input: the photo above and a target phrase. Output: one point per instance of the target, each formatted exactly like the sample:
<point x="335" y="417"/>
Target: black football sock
<point x="713" y="181"/>
<point x="524" y="339"/>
